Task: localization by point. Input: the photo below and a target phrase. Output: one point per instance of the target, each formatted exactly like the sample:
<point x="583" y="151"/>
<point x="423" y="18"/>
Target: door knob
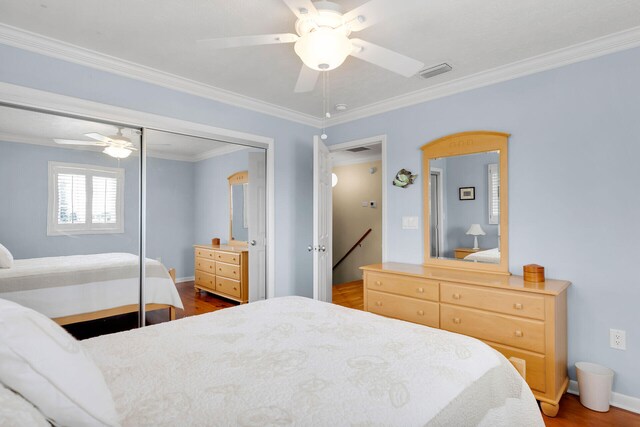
<point x="252" y="243"/>
<point x="310" y="248"/>
<point x="323" y="249"/>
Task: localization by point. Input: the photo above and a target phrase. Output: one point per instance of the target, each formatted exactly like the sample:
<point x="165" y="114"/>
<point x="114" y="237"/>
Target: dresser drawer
<point x="501" y="329"/>
<point x="205" y="265"/>
<point x="409" y="309"/>
<point x="514" y="303"/>
<point x="205" y="280"/>
<point x="403" y="285"/>
<point x="204" y="253"/>
<point x="535" y="365"/>
<point x="228" y="286"/>
<point x="230" y="271"/>
<point x="228" y="257"/>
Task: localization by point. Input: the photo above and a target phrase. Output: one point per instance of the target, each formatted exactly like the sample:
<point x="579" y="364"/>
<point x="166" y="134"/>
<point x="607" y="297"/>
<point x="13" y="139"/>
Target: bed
<point x="489" y="256"/>
<point x="78" y="288"/>
<point x="297" y="361"/>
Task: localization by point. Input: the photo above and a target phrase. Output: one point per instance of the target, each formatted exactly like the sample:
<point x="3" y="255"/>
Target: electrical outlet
<point x="618" y="339"/>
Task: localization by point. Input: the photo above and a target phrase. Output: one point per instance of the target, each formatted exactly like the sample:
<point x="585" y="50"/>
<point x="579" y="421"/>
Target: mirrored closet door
<point x="70" y="219"/>
<point x="205" y="221"/>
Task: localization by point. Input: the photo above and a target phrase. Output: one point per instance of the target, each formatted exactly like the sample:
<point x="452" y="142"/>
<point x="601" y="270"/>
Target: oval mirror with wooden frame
<point x="238" y="227"/>
<point x="466" y="202"/>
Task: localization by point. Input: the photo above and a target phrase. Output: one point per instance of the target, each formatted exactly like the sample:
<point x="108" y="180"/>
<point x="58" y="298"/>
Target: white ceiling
<point x="24" y="126"/>
<point x="471" y="35"/>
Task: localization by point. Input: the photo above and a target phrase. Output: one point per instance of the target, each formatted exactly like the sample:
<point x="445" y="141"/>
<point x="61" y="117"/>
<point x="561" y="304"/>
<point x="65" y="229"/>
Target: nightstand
<point x="460" y="253"/>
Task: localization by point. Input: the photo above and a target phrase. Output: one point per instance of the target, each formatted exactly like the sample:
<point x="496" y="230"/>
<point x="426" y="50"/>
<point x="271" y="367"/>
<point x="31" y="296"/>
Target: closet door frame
<point x="16" y="96"/>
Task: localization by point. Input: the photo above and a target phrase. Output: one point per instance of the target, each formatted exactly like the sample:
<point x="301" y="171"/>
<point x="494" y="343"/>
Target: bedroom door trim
<point x="378" y="139"/>
<point x="37" y="100"/>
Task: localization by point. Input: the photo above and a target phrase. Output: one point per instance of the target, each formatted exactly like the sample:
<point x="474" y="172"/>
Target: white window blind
<point x="72" y="199"/>
<point x="85" y="199"/>
<point x="104" y="203"/>
<point x="494" y="193"/>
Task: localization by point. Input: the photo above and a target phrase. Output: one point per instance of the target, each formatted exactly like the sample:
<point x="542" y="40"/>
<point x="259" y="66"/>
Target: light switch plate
<point x="409" y="222"/>
<point x="365" y="204"/>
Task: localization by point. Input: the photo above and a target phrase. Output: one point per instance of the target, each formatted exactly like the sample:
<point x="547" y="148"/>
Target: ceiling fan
<point x="322" y="41"/>
<point x="118" y="145"/>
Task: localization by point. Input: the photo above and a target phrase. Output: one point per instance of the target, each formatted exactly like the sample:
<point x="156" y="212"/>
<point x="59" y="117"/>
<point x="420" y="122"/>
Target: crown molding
<point x="611" y="43"/>
<point x="33" y="42"/>
<point x="47" y="46"/>
<point x="32" y="140"/>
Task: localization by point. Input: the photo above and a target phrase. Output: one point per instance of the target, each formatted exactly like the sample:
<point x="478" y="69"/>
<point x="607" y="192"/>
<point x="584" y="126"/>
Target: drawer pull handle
<point x="420" y="290"/>
<point x="519" y="334"/>
<point x="379" y="303"/>
<point x="517" y="306"/>
<point x="457" y="320"/>
<point x="420" y="312"/>
<point x="378" y="283"/>
<point x="457" y="296"/>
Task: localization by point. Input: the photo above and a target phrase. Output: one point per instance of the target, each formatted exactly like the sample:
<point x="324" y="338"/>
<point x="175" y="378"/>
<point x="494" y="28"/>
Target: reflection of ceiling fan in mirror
<point x="118" y="145"/>
<point x="323" y="42"/>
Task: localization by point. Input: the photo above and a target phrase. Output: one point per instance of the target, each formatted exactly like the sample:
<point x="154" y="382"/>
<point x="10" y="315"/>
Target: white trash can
<point x="594" y="384"/>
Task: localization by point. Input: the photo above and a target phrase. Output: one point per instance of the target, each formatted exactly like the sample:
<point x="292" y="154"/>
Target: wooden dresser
<point x="222" y="270"/>
<point x="460" y="253"/>
<point x="526" y="322"/>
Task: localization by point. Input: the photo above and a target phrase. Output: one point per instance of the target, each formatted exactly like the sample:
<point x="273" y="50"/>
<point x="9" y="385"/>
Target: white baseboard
<point x="618" y="400"/>
<point x="185" y="279"/>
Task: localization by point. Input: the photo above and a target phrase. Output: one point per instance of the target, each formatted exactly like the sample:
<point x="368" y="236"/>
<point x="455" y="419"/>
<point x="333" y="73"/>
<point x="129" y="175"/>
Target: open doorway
<point x="357" y="215"/>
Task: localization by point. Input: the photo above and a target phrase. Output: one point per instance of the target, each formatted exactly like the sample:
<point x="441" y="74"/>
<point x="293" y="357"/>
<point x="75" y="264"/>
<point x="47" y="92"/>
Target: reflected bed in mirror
<point x="465" y="201"/>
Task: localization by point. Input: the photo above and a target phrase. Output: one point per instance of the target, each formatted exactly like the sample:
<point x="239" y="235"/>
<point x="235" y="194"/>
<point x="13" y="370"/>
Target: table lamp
<point x="475" y="230"/>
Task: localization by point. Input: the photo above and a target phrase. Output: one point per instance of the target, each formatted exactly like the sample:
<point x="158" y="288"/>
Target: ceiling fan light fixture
<point x="117" y="152"/>
<point x="323" y="49"/>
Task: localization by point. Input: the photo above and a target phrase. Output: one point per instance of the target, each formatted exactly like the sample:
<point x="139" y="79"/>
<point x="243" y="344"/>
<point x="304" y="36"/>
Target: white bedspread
<point x="296" y="361"/>
<point x="69" y="285"/>
<point x="490" y="256"/>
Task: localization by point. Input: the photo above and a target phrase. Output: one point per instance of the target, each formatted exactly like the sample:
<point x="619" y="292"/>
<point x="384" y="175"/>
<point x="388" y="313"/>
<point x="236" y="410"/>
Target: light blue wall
<point x="212" y="194"/>
<point x="171" y="213"/>
<point x="24" y="176"/>
<point x="573" y="199"/>
<point x="468" y="171"/>
<point x="293" y="153"/>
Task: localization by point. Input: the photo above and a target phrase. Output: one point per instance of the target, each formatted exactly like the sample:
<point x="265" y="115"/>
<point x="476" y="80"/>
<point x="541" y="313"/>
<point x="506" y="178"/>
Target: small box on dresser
<point x="222" y="270"/>
<point x="526" y="322"/>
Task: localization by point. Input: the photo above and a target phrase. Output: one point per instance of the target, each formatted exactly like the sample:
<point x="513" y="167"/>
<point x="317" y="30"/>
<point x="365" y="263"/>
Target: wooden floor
<point x="572" y="413"/>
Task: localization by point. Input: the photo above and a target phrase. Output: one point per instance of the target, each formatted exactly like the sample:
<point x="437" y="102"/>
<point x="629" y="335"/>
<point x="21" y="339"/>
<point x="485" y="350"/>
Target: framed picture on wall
<point x="467" y="193"/>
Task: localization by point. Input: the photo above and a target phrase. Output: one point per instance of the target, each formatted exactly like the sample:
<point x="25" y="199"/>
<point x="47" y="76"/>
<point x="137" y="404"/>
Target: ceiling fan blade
<point x="301" y="8"/>
<point x="78" y="142"/>
<point x="306" y="79"/>
<point x="385" y="58"/>
<point x="371" y="13"/>
<point x="99" y="137"/>
<point x="229" y="42"/>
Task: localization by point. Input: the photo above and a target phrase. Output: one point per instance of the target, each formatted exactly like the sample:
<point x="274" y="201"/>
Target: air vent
<point x="427" y="73"/>
<point x="358" y="149"/>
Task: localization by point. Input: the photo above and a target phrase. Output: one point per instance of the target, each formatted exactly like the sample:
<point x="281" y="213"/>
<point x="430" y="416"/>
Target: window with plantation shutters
<point x="85" y="199"/>
<point x="494" y="194"/>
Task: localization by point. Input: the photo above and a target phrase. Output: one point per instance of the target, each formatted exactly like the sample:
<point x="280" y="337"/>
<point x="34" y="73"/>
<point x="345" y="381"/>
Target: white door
<point x="257" y="222"/>
<point x="322" y="215"/>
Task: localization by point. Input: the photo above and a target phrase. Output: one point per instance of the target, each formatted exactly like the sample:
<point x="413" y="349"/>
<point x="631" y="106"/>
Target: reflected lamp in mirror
<point x="475" y="230"/>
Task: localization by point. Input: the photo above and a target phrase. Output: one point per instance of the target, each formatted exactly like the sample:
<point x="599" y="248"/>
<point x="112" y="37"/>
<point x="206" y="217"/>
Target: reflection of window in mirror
<point x="493" y="193"/>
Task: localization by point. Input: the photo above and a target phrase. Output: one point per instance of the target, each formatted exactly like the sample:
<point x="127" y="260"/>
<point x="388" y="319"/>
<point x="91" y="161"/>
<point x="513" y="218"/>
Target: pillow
<point x="6" y="259"/>
<point x="50" y="368"/>
<point x="15" y="411"/>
